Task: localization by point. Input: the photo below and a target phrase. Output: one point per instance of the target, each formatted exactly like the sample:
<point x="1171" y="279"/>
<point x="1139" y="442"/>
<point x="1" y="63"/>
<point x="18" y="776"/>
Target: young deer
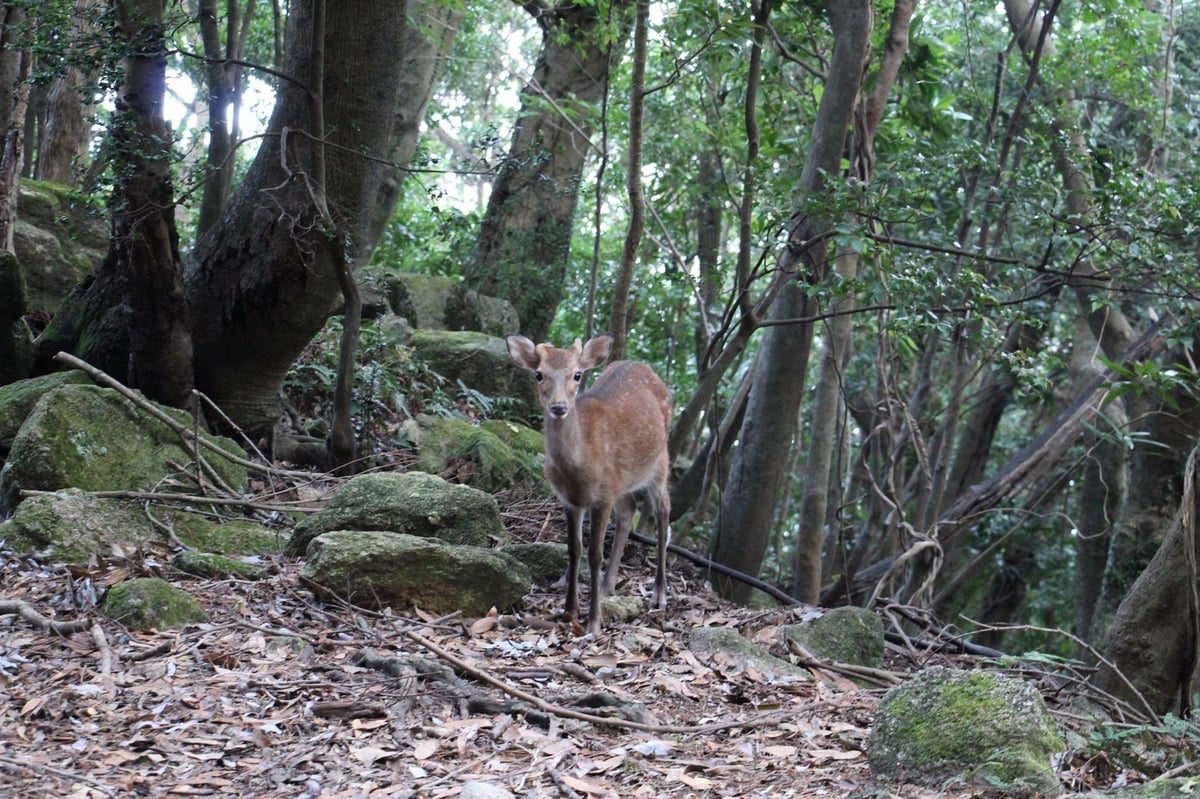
<point x="602" y="447"/>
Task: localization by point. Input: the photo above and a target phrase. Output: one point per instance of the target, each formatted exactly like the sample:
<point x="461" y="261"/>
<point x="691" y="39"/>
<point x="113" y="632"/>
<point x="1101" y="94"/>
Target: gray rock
<point x="973" y="726"/>
<point x="382" y="569"/>
<point x="95" y="439"/>
<point x="18" y="399"/>
<point x="70" y="526"/>
<point x="730" y="650"/>
<point x="482" y="363"/>
<point x="59" y="239"/>
<point x="475" y="455"/>
<point x="150" y="603"/>
<point x="414" y="503"/>
<point x="842" y="635"/>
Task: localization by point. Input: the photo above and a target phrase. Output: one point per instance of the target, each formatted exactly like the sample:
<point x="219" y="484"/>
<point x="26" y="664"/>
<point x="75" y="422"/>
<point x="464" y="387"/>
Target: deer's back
<point x="622" y="447"/>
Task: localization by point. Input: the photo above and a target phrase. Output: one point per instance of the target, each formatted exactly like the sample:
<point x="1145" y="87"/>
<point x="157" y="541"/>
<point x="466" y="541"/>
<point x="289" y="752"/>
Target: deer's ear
<point x="522" y="351"/>
<point x="596" y="351"/>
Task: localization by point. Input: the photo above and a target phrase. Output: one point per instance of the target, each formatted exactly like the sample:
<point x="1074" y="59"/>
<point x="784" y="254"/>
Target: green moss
<point x="216" y="567"/>
<point x="147" y="603"/>
<point x="945" y="722"/>
<point x="82" y="436"/>
<point x="18" y="399"/>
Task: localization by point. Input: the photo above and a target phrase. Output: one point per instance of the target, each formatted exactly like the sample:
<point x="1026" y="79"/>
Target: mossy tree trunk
<point x="525" y="237"/>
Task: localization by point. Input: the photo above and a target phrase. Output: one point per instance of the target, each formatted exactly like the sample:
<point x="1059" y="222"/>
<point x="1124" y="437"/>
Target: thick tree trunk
<point x="428" y="41"/>
<point x="66" y="135"/>
<point x="1152" y="640"/>
<point x="756" y="475"/>
<point x="145" y="242"/>
<point x="524" y="239"/>
<point x="16" y="60"/>
<point x="263" y="281"/>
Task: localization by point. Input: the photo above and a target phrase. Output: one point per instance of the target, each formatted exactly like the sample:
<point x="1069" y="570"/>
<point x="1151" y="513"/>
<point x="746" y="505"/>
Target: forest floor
<point x="280" y="695"/>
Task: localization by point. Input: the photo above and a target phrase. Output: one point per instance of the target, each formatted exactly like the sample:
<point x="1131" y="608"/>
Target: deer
<point x="603" y="447"/>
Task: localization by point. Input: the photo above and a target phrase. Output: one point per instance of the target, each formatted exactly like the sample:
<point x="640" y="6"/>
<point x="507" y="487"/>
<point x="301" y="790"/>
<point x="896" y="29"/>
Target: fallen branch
<point x="567" y="713"/>
<point x="29" y="613"/>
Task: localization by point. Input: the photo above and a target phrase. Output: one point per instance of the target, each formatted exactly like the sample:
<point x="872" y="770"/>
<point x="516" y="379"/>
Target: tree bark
<point x="428" y="41"/>
<point x="769" y="428"/>
<point x="16" y="60"/>
<point x="260" y="283"/>
<point x="65" y="137"/>
<point x="145" y="243"/>
<point x="828" y="408"/>
<point x="1153" y="637"/>
<point x="524" y="239"/>
<point x="224" y="78"/>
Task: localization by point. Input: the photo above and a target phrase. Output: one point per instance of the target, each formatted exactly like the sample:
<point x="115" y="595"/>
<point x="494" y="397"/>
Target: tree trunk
<point x="65" y="137"/>
<point x="524" y="239"/>
<point x="145" y="244"/>
<point x="428" y="41"/>
<point x="828" y="408"/>
<point x="16" y="60"/>
<point x="263" y="281"/>
<point x="223" y="78"/>
<point x="769" y="428"/>
<point x="1152" y="639"/>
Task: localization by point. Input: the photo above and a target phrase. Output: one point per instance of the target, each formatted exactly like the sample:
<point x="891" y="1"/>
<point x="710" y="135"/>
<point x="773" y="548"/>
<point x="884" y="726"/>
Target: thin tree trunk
<point x="16" y="60"/>
<point x="749" y="501"/>
<point x="428" y="41"/>
<point x="66" y="136"/>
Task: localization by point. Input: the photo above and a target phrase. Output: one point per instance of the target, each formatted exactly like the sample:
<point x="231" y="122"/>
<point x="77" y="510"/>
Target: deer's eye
<point x="538" y="376"/>
<point x="578" y="376"/>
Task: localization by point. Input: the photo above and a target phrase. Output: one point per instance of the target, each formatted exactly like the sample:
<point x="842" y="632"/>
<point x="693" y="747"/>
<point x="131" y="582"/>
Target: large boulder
<point x="59" y="239"/>
<point x="96" y="439"/>
<point x="381" y="569"/>
<point x="481" y="362"/>
<point x="413" y="503"/>
<point x="18" y="399"/>
<point x="945" y="725"/>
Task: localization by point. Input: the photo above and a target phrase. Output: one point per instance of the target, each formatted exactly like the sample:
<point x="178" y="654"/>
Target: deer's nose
<point x="558" y="409"/>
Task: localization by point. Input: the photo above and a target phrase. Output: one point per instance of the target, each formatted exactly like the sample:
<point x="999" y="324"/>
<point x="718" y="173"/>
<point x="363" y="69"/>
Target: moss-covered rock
<point x="69" y="526"/>
<point x="150" y="603"/>
<point x="482" y="363"/>
<point x="18" y="399"/>
<point x="413" y="503"/>
<point x="843" y="635"/>
<point x="457" y="449"/>
<point x="93" y="438"/>
<point x="546" y="561"/>
<point x="59" y="239"/>
<point x="434" y="302"/>
<point x="381" y="569"/>
<point x="216" y="567"/>
<point x="973" y="726"/>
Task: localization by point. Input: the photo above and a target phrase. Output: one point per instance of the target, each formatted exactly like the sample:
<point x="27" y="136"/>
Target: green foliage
<point x="1151" y="749"/>
<point x="390" y="384"/>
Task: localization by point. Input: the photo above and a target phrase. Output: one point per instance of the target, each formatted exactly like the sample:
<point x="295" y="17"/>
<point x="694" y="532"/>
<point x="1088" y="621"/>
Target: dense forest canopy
<point x="922" y="277"/>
